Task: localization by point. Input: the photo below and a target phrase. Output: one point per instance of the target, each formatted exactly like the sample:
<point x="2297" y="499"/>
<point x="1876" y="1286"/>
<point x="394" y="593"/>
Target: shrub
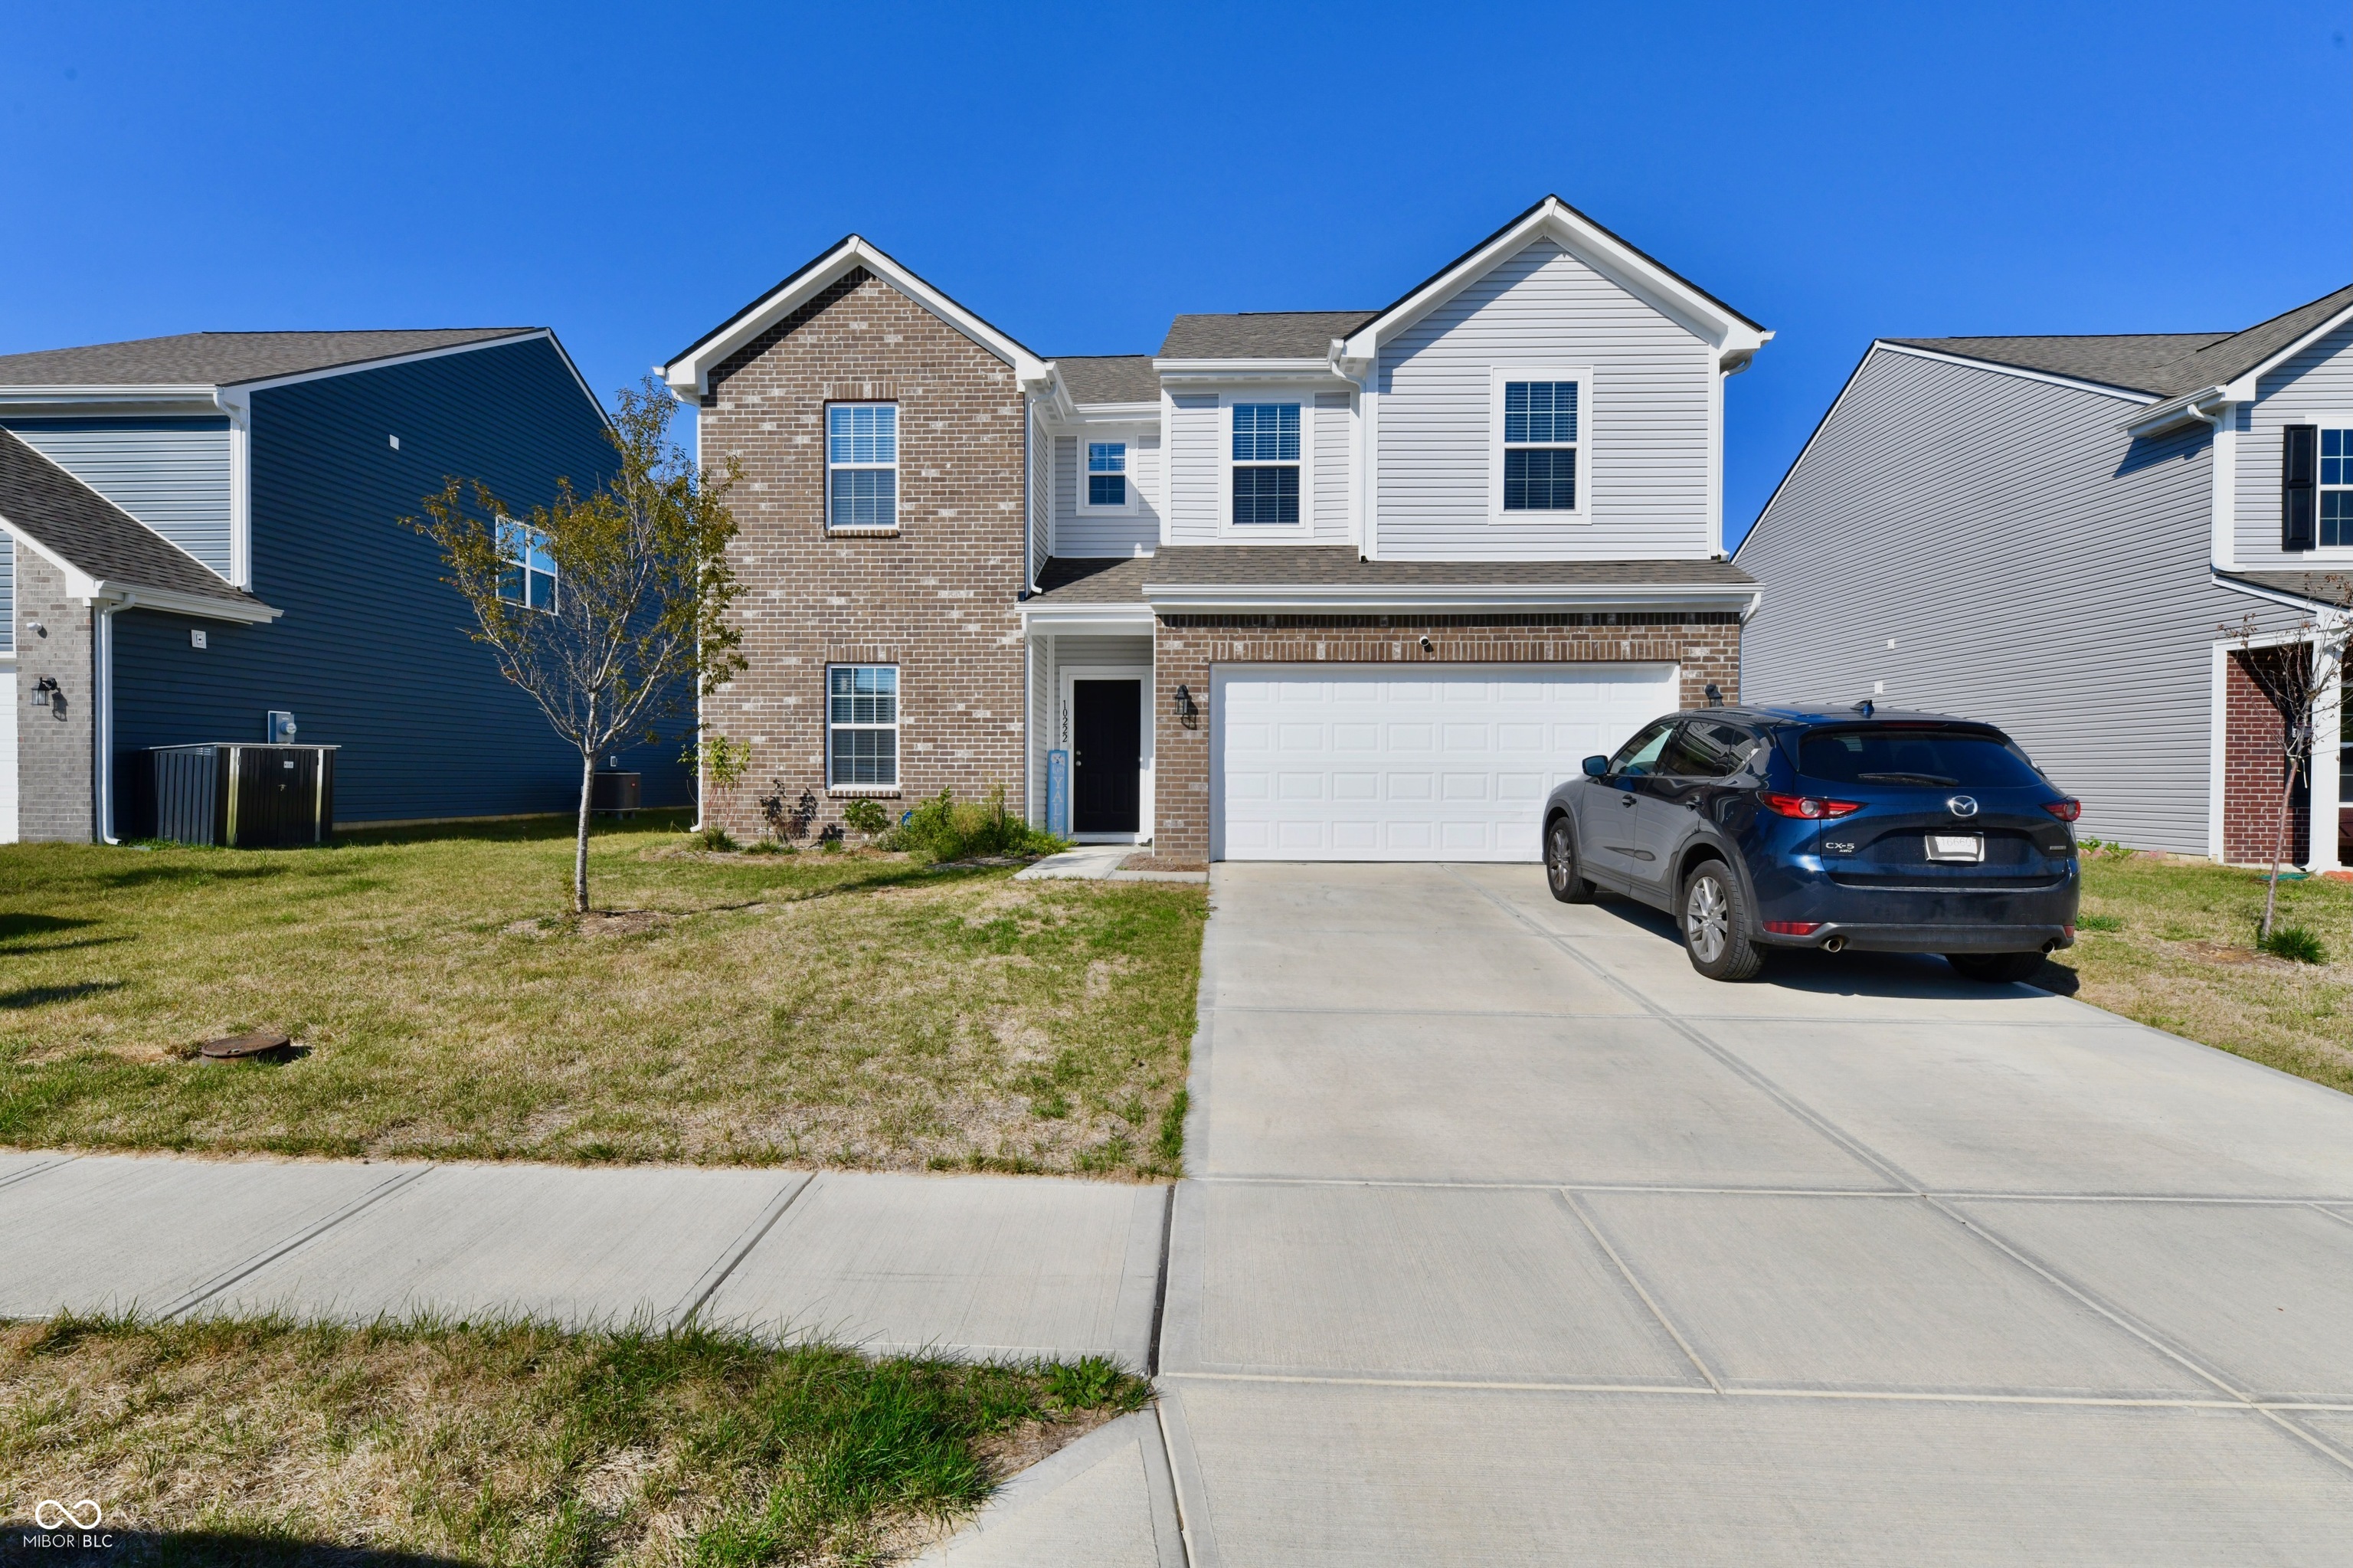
<point x="711" y="839"/>
<point x="944" y="828"/>
<point x="866" y="818"/>
<point x="2296" y="942"/>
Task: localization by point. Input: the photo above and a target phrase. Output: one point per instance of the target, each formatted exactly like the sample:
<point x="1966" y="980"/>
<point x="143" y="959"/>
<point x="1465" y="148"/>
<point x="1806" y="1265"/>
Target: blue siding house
<point x="198" y="531"/>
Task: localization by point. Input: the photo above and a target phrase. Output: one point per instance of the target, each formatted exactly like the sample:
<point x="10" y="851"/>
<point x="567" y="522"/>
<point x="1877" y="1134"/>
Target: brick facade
<point x="55" y="801"/>
<point x="2255" y="766"/>
<point x="935" y="597"/>
<point x="1706" y="645"/>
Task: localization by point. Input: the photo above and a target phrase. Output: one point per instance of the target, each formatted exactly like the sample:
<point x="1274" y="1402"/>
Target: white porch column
<point x="2327" y="727"/>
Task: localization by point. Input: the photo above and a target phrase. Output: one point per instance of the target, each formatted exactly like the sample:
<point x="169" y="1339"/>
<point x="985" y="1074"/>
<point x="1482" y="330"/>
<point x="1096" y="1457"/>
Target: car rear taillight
<point x="1793" y="927"/>
<point x="2065" y="811"/>
<point x="1812" y="808"/>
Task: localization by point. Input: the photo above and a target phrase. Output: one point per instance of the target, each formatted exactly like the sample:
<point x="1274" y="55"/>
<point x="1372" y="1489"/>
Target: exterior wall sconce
<point x="1714" y="695"/>
<point x="48" y="693"/>
<point x="1189" y="712"/>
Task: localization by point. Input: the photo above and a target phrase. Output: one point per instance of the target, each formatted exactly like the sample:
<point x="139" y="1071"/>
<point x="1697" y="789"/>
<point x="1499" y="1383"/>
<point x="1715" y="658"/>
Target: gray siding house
<point x="2065" y="536"/>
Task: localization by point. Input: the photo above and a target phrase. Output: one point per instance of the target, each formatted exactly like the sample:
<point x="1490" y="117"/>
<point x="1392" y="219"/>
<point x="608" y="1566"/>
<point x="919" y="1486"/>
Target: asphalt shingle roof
<point x="2165" y="364"/>
<point x="1124" y="580"/>
<point x="1261" y="334"/>
<point x="74" y="521"/>
<point x="226" y="358"/>
<point x="1111" y="378"/>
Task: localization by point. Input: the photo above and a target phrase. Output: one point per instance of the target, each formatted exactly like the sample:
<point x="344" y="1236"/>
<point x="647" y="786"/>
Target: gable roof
<point x="1110" y="379"/>
<point x="1736" y="337"/>
<point x="72" y="523"/>
<point x="2163" y="364"/>
<point x="1260" y="335"/>
<point x="689" y="371"/>
<point x="227" y="358"/>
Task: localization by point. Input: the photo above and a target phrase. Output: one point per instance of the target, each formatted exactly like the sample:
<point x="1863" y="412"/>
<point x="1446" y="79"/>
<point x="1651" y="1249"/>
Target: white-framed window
<point x="2335" y="524"/>
<point x="1537" y="445"/>
<point x="1267" y="480"/>
<point x="1105" y="485"/>
<point x="861" y="727"/>
<point x="861" y="465"/>
<point x="530" y="576"/>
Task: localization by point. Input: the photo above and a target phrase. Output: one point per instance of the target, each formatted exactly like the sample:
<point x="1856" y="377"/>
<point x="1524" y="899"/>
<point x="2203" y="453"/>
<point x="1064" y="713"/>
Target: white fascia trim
<point x="1058" y="620"/>
<point x="2199" y="405"/>
<point x="2243" y="390"/>
<point x="2020" y="372"/>
<point x="1323" y="597"/>
<point x="2321" y="614"/>
<point x="1091" y="416"/>
<point x="1736" y="340"/>
<point x="689" y="375"/>
<point x="1198" y="370"/>
<point x="80" y="585"/>
<point x="166" y="401"/>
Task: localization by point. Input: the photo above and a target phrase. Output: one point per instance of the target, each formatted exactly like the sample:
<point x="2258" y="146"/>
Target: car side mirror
<point x="1596" y="767"/>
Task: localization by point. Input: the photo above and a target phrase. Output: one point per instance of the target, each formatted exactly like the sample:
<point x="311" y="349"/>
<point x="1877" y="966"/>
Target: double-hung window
<point x="528" y="575"/>
<point x="861" y="462"/>
<point x="2336" y="489"/>
<point x="1107" y="475"/>
<point x="1266" y="464"/>
<point x="1540" y="445"/>
<point x="861" y="725"/>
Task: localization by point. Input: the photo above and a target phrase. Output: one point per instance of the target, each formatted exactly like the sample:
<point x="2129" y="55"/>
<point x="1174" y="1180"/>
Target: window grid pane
<point x="1266" y="432"/>
<point x="2336" y="457"/>
<point x="1106" y="457"/>
<point x="2336" y="518"/>
<point x="865" y="498"/>
<point x="862" y="713"/>
<point x="1266" y="496"/>
<point x="1106" y="489"/>
<point x="862" y="433"/>
<point x="1540" y="479"/>
<point x="1539" y="412"/>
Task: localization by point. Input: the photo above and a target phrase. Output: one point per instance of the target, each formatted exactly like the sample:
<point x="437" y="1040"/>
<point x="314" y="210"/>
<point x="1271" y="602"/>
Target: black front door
<point x="1106" y="756"/>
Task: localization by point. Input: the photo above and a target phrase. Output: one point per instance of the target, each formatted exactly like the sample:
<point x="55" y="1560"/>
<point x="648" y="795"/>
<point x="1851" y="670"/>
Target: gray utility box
<point x="240" y="797"/>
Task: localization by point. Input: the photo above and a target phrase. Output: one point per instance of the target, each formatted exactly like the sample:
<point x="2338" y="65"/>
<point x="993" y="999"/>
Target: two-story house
<point x="198" y="531"/>
<point x="1305" y="585"/>
<point x="2066" y="537"/>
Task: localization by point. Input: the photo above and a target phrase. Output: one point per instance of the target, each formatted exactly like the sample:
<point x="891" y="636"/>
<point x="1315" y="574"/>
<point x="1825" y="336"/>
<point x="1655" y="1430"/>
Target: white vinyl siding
<point x="1330" y="523"/>
<point x="171" y="474"/>
<point x="1645" y="460"/>
<point x="1375" y="762"/>
<point x="2031" y="567"/>
<point x="7" y="594"/>
<point x="1196" y="467"/>
<point x="1079" y="531"/>
<point x="2315" y="387"/>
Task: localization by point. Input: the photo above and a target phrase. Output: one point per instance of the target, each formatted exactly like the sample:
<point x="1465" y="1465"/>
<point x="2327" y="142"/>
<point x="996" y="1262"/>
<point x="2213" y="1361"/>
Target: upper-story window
<point x="2336" y="488"/>
<point x="1540" y="444"/>
<point x="1266" y="464"/>
<point x="1107" y="474"/>
<point x="861" y="461"/>
<point x="529" y="576"/>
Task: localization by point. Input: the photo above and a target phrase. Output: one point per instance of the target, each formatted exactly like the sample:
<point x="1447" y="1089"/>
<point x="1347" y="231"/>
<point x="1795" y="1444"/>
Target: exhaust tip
<point x="1834" y="945"/>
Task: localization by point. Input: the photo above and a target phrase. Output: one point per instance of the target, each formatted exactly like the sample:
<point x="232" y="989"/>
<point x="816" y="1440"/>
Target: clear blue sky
<point x="632" y="175"/>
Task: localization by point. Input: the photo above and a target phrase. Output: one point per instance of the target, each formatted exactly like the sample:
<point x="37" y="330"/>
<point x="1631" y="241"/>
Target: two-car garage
<point x="1424" y="762"/>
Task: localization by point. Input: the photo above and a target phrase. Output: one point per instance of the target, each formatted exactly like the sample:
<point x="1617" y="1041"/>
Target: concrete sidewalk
<point x="975" y="1266"/>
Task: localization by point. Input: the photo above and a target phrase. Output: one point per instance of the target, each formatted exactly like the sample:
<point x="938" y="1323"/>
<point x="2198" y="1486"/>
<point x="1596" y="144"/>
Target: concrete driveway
<point x="1513" y="1240"/>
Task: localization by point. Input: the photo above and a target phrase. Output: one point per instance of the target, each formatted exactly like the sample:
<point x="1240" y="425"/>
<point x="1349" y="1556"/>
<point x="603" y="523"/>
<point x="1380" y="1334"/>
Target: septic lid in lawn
<point x="231" y="1048"/>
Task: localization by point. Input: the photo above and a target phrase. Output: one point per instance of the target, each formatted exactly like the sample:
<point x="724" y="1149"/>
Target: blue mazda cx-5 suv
<point x="1760" y="828"/>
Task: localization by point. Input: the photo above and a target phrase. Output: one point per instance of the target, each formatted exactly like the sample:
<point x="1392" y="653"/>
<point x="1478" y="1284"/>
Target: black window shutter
<point x="2299" y="471"/>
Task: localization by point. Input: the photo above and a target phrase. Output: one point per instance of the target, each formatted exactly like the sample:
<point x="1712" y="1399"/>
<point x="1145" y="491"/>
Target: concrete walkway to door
<point x="1510" y="1239"/>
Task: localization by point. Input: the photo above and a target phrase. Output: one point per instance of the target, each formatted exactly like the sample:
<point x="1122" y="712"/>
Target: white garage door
<point x="1364" y="762"/>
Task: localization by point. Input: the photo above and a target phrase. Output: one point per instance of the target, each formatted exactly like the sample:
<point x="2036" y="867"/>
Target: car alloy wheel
<point x="1707" y="919"/>
<point x="1560" y="856"/>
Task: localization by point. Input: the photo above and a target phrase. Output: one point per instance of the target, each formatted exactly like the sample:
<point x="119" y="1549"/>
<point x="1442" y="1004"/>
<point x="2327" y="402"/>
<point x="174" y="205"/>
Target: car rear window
<point x="1892" y="754"/>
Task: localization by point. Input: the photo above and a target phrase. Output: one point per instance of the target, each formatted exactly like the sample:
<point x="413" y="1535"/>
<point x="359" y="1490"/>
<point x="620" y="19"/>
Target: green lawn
<point x="849" y="1009"/>
<point x="2178" y="953"/>
<point x="266" y="1443"/>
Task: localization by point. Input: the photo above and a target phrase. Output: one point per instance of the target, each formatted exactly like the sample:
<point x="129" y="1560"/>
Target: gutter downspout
<point x="1361" y="449"/>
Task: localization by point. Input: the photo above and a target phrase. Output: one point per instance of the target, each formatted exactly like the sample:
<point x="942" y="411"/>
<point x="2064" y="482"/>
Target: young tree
<point x="608" y="608"/>
<point x="2295" y="669"/>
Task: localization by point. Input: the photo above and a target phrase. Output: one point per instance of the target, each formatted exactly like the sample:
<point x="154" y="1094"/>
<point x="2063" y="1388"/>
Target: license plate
<point x="1964" y="847"/>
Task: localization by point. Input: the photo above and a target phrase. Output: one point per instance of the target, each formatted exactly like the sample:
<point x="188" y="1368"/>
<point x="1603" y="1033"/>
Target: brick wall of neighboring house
<point x="1706" y="645"/>
<point x="54" y="801"/>
<point x="2255" y="765"/>
<point x="936" y="598"/>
